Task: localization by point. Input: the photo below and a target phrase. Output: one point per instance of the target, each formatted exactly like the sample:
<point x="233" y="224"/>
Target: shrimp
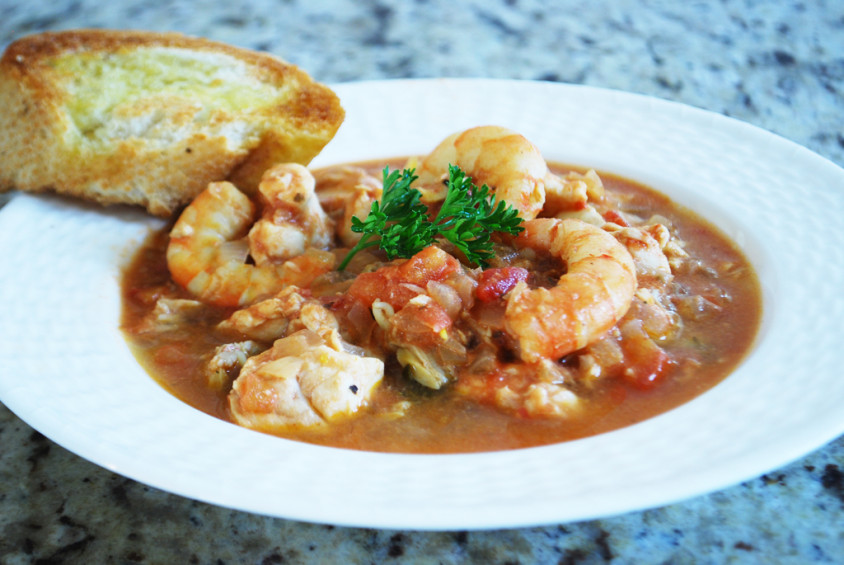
<point x="540" y="389"/>
<point x="345" y="193"/>
<point x="504" y="160"/>
<point x="589" y="299"/>
<point x="288" y="311"/>
<point x="292" y="218"/>
<point x="207" y="252"/>
<point x="358" y="205"/>
<point x="572" y="191"/>
<point x="302" y="381"/>
<point x="645" y="247"/>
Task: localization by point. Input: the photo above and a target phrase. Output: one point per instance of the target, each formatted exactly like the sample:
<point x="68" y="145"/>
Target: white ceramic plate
<point x="65" y="369"/>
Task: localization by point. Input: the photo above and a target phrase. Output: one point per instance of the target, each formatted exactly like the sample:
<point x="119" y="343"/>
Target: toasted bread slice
<point x="151" y="118"/>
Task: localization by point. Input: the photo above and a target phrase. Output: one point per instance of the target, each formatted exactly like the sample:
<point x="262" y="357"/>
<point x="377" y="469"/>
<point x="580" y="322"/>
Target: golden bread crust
<point x="151" y="118"/>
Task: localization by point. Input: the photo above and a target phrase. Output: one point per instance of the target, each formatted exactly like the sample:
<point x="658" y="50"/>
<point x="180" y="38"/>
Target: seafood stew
<point x="608" y="305"/>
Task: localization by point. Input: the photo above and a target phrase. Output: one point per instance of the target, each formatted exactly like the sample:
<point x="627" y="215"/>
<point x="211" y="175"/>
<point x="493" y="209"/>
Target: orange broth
<point x="442" y="422"/>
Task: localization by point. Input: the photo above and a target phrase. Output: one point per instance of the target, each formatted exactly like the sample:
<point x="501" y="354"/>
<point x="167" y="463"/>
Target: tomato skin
<point x="495" y="283"/>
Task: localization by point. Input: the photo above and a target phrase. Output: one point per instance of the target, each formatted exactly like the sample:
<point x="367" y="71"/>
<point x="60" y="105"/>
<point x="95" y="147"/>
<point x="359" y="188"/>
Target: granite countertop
<point x="777" y="65"/>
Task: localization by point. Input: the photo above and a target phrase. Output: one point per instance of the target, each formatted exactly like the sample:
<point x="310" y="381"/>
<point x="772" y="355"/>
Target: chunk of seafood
<point x="227" y="360"/>
<point x="540" y="390"/>
<point x="504" y="160"/>
<point x="548" y="399"/>
<point x="348" y="192"/>
<point x="588" y="299"/>
<point x="302" y="381"/>
<point x="268" y="319"/>
<point x="652" y="265"/>
<point x="292" y="219"/>
<point x="572" y="192"/>
<point x="170" y="314"/>
<point x="207" y="254"/>
<point x="422" y="367"/>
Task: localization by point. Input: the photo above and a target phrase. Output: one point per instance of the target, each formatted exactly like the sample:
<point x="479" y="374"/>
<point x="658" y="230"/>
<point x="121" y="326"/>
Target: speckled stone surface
<point x="777" y="65"/>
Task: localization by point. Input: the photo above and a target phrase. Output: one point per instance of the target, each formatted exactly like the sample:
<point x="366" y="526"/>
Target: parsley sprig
<point x="400" y="225"/>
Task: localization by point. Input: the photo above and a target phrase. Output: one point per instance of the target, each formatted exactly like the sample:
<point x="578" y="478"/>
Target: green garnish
<point x="400" y="225"/>
<point x="469" y="215"/>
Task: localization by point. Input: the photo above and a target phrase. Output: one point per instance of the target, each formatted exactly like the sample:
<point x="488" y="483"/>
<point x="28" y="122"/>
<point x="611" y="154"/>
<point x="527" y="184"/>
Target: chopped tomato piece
<point x="394" y="284"/>
<point x="495" y="283"/>
<point x="648" y="373"/>
<point x="423" y="325"/>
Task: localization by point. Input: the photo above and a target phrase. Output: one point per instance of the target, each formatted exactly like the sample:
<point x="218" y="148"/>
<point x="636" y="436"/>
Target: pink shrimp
<point x="589" y="298"/>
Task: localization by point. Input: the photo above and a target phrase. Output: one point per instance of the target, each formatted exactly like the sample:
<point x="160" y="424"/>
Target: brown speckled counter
<point x="779" y="66"/>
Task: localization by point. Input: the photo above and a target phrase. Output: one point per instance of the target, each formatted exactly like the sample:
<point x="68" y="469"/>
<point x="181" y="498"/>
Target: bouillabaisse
<point x="606" y="305"/>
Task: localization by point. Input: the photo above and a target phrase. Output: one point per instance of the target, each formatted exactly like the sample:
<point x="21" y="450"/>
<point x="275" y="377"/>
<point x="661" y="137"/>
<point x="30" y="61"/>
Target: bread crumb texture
<point x="151" y="118"/>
